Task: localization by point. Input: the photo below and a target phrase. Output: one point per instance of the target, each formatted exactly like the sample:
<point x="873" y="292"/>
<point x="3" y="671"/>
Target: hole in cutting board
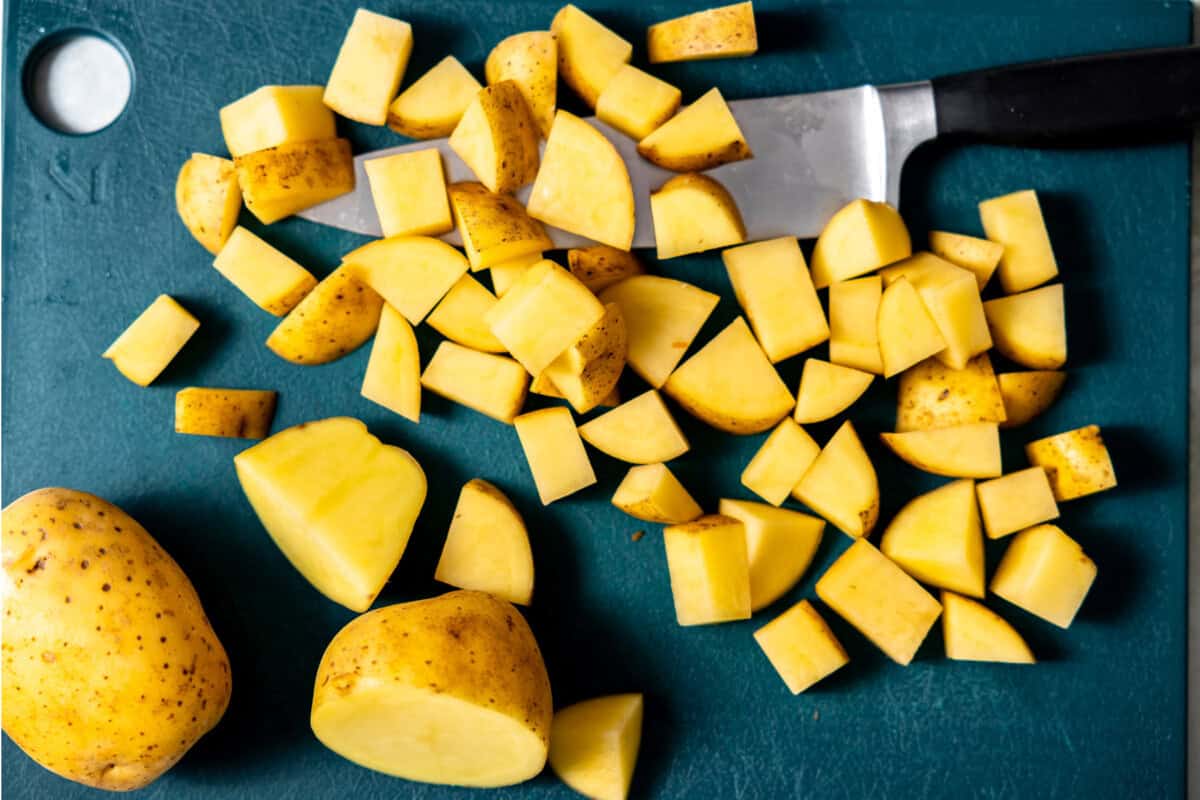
<point x="78" y="81"/>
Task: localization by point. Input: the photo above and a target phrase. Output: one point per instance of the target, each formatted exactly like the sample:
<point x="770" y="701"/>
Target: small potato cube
<point x="497" y="138"/>
<point x="978" y="256"/>
<point x="409" y="190"/>
<point x="275" y="115"/>
<point x="495" y="228"/>
<point x="1015" y="222"/>
<point x="651" y="492"/>
<point x="1031" y="327"/>
<point x="1016" y="501"/>
<point x="853" y="333"/>
<point x="907" y="331"/>
<point x="781" y="462"/>
<point x="283" y="180"/>
<point x="801" y="647"/>
<point x="273" y="281"/>
<point x="412" y="273"/>
<point x="529" y="59"/>
<point x="693" y="213"/>
<point x="491" y="384"/>
<point x="589" y="54"/>
<point x="460" y="316"/>
<point x="1028" y="394"/>
<point x="841" y="484"/>
<point x="369" y="67"/>
<point x="725" y="32"/>
<point x="600" y="266"/>
<point x="710" y="571"/>
<point x="433" y="104"/>
<point x="780" y="544"/>
<point x="208" y="199"/>
<point x="393" y="377"/>
<point x="636" y="103"/>
<point x="335" y="318"/>
<point x="701" y="136"/>
<point x="234" y="413"/>
<point x="555" y="453"/>
<point x="505" y="275"/>
<point x="932" y="395"/>
<point x="1045" y="572"/>
<point x="1076" y="462"/>
<point x="152" y="340"/>
<point x="640" y="431"/>
<point x="880" y="600"/>
<point x="861" y="237"/>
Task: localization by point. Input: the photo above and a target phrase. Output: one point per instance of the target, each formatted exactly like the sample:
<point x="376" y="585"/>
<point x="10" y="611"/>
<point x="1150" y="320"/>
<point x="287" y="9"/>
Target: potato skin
<point x="332" y="320"/>
<point x="111" y="669"/>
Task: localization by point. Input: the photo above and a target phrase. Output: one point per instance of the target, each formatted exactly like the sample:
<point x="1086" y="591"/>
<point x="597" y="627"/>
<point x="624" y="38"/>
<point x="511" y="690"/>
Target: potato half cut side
<point x="151" y="342"/>
<point x="979" y="256"/>
<point x="412" y="273"/>
<point x="781" y="462"/>
<point x="907" y="332"/>
<point x="461" y="313"/>
<point x="1015" y="221"/>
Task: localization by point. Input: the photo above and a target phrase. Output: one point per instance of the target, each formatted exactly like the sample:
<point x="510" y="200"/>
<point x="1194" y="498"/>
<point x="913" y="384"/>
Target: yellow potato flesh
<point x="979" y="256"/>
<point x="780" y="544"/>
<point x="907" y="331"/>
<point x="335" y="318"/>
<point x="152" y="341"/>
<point x="862" y="236"/>
<point x="636" y="103"/>
<point x="1016" y="501"/>
<point x="801" y="647"/>
<point x="238" y="413"/>
<point x="460" y="316"/>
<point x="505" y="275"/>
<point x="937" y="539"/>
<point x="339" y="503"/>
<point x="497" y="138"/>
<point x="932" y="395"/>
<point x="369" y="67"/>
<point x="973" y="632"/>
<point x="961" y="451"/>
<point x="1015" y="222"/>
<point x="273" y="281"/>
<point x="699" y="137"/>
<point x="600" y="266"/>
<point x="487" y="547"/>
<point x="652" y="493"/>
<point x="781" y="462"/>
<point x="529" y="59"/>
<point x="275" y="115"/>
<point x="594" y="745"/>
<point x="1031" y="327"/>
<point x="827" y="390"/>
<point x="1028" y="394"/>
<point x="841" y="484"/>
<point x="725" y="32"/>
<point x="283" y="180"/>
<point x="710" y="571"/>
<point x="208" y="199"/>
<point x="490" y="384"/>
<point x="1077" y="462"/>
<point x="875" y="596"/>
<point x="853" y="332"/>
<point x="693" y="213"/>
<point x="1045" y="572"/>
<point x="951" y="296"/>
<point x="589" y="54"/>
<point x="555" y="453"/>
<point x="393" y="377"/>
<point x="412" y="273"/>
<point x="587" y="371"/>
<point x="640" y="431"/>
<point x="434" y="103"/>
<point x="409" y="190"/>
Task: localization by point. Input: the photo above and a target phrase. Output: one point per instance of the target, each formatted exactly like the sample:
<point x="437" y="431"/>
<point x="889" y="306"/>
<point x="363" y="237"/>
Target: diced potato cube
<point x="693" y="213"/>
<point x="335" y="318"/>
<point x="640" y="431"/>
<point x="781" y="462"/>
<point x="932" y="395"/>
<point x="491" y="384"/>
<point x="861" y="237"/>
<point x="1045" y="572"/>
<point x="234" y="413"/>
<point x="1016" y="501"/>
<point x="962" y="451"/>
<point x="937" y="539"/>
<point x="487" y="546"/>
<point x="651" y="492"/>
<point x="1028" y="394"/>
<point x="412" y="273"/>
<point x="594" y="745"/>
<point x="951" y="296"/>
<point x="505" y="275"/>
<point x="409" y="190"/>
<point x="880" y="600"/>
<point x="907" y="331"/>
<point x="853" y="332"/>
<point x="530" y="60"/>
<point x="1031" y="327"/>
<point x="1076" y="462"/>
<point x="208" y="199"/>
<point x="973" y="632"/>
<point x="710" y="571"/>
<point x="460" y="316"/>
<point x="589" y="54"/>
<point x="724" y="32"/>
<point x="699" y="137"/>
<point x="636" y="103"/>
<point x="275" y="115"/>
<point x="841" y="484"/>
<point x="600" y="266"/>
<point x="369" y="67"/>
<point x="1015" y="222"/>
<point x="498" y="138"/>
<point x="283" y="180"/>
<point x="393" y="377"/>
<point x="273" y="281"/>
<point x="555" y="453"/>
<point x="152" y="340"/>
<point x="432" y="105"/>
<point x="827" y="390"/>
<point x="495" y="228"/>
<point x="587" y="371"/>
<point x="801" y="647"/>
<point x="979" y="256"/>
<point x="780" y="544"/>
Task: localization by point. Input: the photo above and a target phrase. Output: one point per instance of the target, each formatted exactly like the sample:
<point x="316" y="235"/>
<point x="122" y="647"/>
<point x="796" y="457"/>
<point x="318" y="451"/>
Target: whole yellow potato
<point x="111" y="669"/>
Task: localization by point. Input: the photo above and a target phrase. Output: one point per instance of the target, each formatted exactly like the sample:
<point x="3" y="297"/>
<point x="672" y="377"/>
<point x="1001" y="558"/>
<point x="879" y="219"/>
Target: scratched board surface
<point x="90" y="236"/>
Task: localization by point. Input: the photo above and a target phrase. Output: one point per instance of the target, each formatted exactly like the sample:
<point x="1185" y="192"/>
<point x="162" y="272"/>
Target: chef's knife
<point x="813" y="153"/>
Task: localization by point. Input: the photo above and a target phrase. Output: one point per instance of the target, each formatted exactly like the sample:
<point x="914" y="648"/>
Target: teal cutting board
<point x="90" y="236"/>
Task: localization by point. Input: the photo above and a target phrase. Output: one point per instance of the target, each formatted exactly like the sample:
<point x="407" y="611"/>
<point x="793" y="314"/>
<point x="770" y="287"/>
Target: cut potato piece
<point x="951" y="296"/>
<point x="284" y="180"/>
<point x="710" y="571"/>
<point x="861" y="237"/>
<point x="961" y="451"/>
<point x="841" y="484"/>
<point x="588" y="371"/>
<point x="699" y="137"/>
<point x="600" y="266"/>
<point x="487" y="548"/>
<point x="409" y="190"/>
<point x="369" y="67"/>
<point x="555" y="453"/>
<point x="1016" y="501"/>
<point x="652" y="493"/>
<point x="853" y="327"/>
<point x="879" y="599"/>
<point x="662" y="317"/>
<point x="636" y="103"/>
<point x="1015" y="221"/>
<point x="1076" y="462"/>
<point x="1045" y="572"/>
<point x="339" y="503"/>
<point x="208" y="199"/>
<point x="393" y="378"/>
<point x="273" y="281"/>
<point x="780" y="463"/>
<point x="920" y="267"/>
<point x="1030" y="328"/>
<point x="531" y="61"/>
<point x="730" y="384"/>
<point x="594" y="745"/>
<point x="1028" y="394"/>
<point x="589" y="54"/>
<point x="973" y="632"/>
<point x="582" y="185"/>
<point x="432" y="106"/>
<point x="495" y="228"/>
<point x="724" y="32"/>
<point x="491" y="384"/>
<point x="640" y="431"/>
<point x="506" y="274"/>
<point x="773" y="286"/>
<point x="827" y="390"/>
<point x="931" y="395"/>
<point x="151" y="342"/>
<point x="460" y="316"/>
<point x="693" y="213"/>
<point x="497" y="138"/>
<point x="412" y="273"/>
<point x="937" y="539"/>
<point x="801" y="647"/>
<point x="456" y="681"/>
<point x="907" y="332"/>
<point x="978" y="256"/>
<point x="335" y="318"/>
<point x="780" y="544"/>
<point x="275" y="115"/>
<point x="235" y="413"/>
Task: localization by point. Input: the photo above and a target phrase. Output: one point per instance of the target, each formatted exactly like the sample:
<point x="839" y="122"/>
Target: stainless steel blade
<point x="813" y="153"/>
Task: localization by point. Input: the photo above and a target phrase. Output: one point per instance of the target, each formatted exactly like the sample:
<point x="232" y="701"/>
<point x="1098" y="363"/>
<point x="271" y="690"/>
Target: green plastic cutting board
<point x="90" y="236"/>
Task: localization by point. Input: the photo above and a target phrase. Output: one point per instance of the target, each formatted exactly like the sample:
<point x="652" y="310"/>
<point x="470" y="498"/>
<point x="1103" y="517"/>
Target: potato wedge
<point x="233" y="413"/>
<point x="652" y="493"/>
<point x="773" y="286"/>
<point x="636" y="103"/>
<point x="506" y="274"/>
<point x="1076" y="462"/>
<point x="600" y="266"/>
<point x="497" y="138"/>
<point x="582" y="185"/>
<point x="973" y="632"/>
<point x="490" y="384"/>
<point x="827" y="390"/>
<point x="938" y="540"/>
<point x="841" y="484"/>
<point x="433" y="104"/>
<point x="640" y="431"/>
<point x="594" y="745"/>
<point x="853" y="331"/>
<point x="275" y="115"/>
<point x="461" y="314"/>
<point x="412" y="273"/>
<point x="495" y="228"/>
<point x="589" y="54"/>
<point x="273" y="281"/>
<point x="780" y="544"/>
<point x="699" y="137"/>
<point x="1028" y="394"/>
<point x="693" y="213"/>
<point x="1016" y="501"/>
<point x="861" y="237"/>
<point x="1045" y="572"/>
<point x="588" y="371"/>
<point x="710" y="571"/>
<point x="369" y="67"/>
<point x="801" y="647"/>
<point x="283" y="180"/>
<point x="555" y="453"/>
<point x="725" y="32"/>
<point x="780" y="462"/>
<point x="332" y="320"/>
<point x="978" y="256"/>
<point x="409" y="190"/>
<point x="962" y="451"/>
<point x="931" y="395"/>
<point x="529" y="59"/>
<point x="1015" y="221"/>
<point x="487" y="547"/>
<point x="151" y="342"/>
<point x="908" y="333"/>
<point x="208" y="199"/>
<point x="951" y="296"/>
<point x="393" y="377"/>
<point x="1031" y="327"/>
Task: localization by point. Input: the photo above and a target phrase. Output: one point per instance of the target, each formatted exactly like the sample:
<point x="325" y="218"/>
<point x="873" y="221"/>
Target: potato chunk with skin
<point x="937" y="539"/>
<point x="781" y="462"/>
<point x="273" y="281"/>
<point x="652" y="493"/>
<point x="1028" y="394"/>
<point x="151" y="342"/>
<point x="369" y="67"/>
<point x="978" y="256"/>
<point x="841" y="484"/>
<point x="907" y="332"/>
<point x="710" y="571"/>
<point x="1045" y="572"/>
<point x="1016" y="501"/>
<point x="961" y="451"/>
<point x="208" y="199"/>
<point x="780" y="544"/>
<point x="283" y="180"/>
<point x="461" y="313"/>
<point x="458" y="683"/>
<point x="530" y="60"/>
<point x="589" y="54"/>
<point x="555" y="453"/>
<point x="275" y="115"/>
<point x="409" y="190"/>
<point x="487" y="547"/>
<point x="1015" y="221"/>
<point x="497" y="138"/>
<point x="801" y="647"/>
<point x="235" y="413"/>
<point x="853" y="332"/>
<point x="494" y="227"/>
<point x="339" y="503"/>
<point x="412" y="273"/>
<point x="583" y="185"/>
<point x="861" y="237"/>
<point x="1076" y="462"/>
<point x="640" y="431"/>
<point x="725" y="32"/>
<point x="827" y="390"/>
<point x="699" y="137"/>
<point x="1031" y="327"/>
<point x="588" y="371"/>
<point x="594" y="745"/>
<point x="600" y="266"/>
<point x="393" y="377"/>
<point x="875" y="596"/>
<point x="932" y="395"/>
<point x="490" y="384"/>
<point x="636" y="103"/>
<point x="973" y="632"/>
<point x="693" y="213"/>
<point x="334" y="319"/>
<point x="432" y="105"/>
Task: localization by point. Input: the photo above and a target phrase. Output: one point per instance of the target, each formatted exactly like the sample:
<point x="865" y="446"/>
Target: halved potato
<point x="979" y="256"/>
<point x="487" y="546"/>
<point x="827" y="390"/>
<point x="931" y="395"/>
<point x="497" y="138"/>
<point x="151" y="342"/>
<point x="274" y="115"/>
<point x="1076" y="462"/>
<point x="1016" y="501"/>
<point x="433" y="104"/>
<point x="693" y="213"/>
<point x="1015" y="221"/>
<point x="600" y="266"/>
<point x="861" y="237"/>
<point x="491" y="384"/>
<point x="494" y="227"/>
<point x="283" y="180"/>
<point x="594" y="745"/>
<point x="412" y="273"/>
<point x="636" y="103"/>
<point x="710" y="571"/>
<point x="588" y="371"/>
<point x="780" y="462"/>
<point x="640" y="431"/>
<point x="780" y="544"/>
<point x="334" y="319"/>
<point x="651" y="492"/>
<point x="393" y="378"/>
<point x="973" y="632"/>
<point x="208" y="199"/>
<point x="461" y="313"/>
<point x="801" y="647"/>
<point x="907" y="331"/>
<point x="1028" y="394"/>
<point x="853" y="328"/>
<point x="273" y="281"/>
<point x="369" y="67"/>
<point x="724" y="32"/>
<point x="841" y="484"/>
<point x="409" y="191"/>
<point x="699" y="137"/>
<point x="236" y="413"/>
<point x="589" y="54"/>
<point x="937" y="539"/>
<point x="531" y="60"/>
<point x="1031" y="327"/>
<point x="555" y="453"/>
<point x="1045" y="572"/>
<point x="961" y="451"/>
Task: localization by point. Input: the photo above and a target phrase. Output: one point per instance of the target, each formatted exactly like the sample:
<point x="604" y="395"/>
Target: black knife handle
<point x="1095" y="99"/>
